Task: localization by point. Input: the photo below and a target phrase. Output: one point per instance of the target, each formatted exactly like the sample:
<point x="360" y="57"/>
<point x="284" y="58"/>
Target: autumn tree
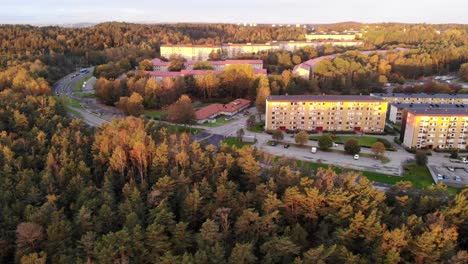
<point x="263" y="91"/>
<point x="132" y="105"/>
<point x="378" y="148"/>
<point x="464" y="72"/>
<point x="301" y="138"/>
<point x="145" y="65"/>
<point x="277" y="134"/>
<point x="181" y="111"/>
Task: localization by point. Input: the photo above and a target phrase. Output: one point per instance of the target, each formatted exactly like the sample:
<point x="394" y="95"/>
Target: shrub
<point x="325" y="141"/>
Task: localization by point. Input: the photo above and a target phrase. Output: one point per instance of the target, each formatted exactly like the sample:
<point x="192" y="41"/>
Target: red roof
<point x="213" y="109"/>
<point x="158" y="62"/>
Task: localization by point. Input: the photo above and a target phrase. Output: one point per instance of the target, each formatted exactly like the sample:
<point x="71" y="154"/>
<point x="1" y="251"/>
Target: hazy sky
<point x="233" y="11"/>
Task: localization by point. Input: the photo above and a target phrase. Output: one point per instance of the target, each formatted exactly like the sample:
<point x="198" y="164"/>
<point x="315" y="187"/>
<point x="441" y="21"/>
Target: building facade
<point x="325" y="112"/>
<point x="435" y="128"/>
<point x="328" y="36"/>
<point x="396" y="110"/>
<point x="158" y="75"/>
<point x="189" y="52"/>
<point x="231" y="50"/>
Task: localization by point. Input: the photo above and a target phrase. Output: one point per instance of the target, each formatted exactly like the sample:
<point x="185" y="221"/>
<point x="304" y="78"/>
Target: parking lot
<point x="450" y="174"/>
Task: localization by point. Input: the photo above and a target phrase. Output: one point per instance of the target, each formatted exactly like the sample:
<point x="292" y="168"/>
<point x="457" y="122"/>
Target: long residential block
<point x="325" y="112"/>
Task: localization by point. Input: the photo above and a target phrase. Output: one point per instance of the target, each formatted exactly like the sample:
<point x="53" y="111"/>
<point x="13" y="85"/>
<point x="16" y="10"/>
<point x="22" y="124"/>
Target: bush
<point x="386" y="143"/>
<point x="397" y="140"/>
<point x="352" y="146"/>
<point x="454" y="154"/>
<point x="345" y="132"/>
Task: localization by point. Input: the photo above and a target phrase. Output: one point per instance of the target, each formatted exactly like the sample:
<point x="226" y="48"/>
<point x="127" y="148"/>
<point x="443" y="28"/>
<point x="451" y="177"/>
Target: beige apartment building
<point x="189" y="52"/>
<point x="325" y="112"/>
<point x="435" y="128"/>
<point x="231" y="50"/>
<point x="328" y="36"/>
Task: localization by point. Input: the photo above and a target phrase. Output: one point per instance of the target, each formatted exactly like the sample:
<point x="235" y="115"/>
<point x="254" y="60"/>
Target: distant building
<point x="232" y="50"/>
<point x="333" y="35"/>
<point x="212" y="111"/>
<point x="423" y="98"/>
<point x="189" y="51"/>
<point x="435" y="128"/>
<point x="163" y="66"/>
<point x="395" y="110"/>
<point x="295" y="45"/>
<point x="325" y="112"/>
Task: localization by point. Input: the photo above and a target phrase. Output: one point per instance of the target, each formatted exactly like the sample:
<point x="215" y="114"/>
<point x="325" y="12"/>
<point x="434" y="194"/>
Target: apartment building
<point x="232" y="50"/>
<point x="296" y="45"/>
<point x="435" y="128"/>
<point x="423" y="98"/>
<point x="325" y="112"/>
<point x="395" y="110"/>
<point x="334" y="36"/>
<point x="163" y="66"/>
<point x="189" y="51"/>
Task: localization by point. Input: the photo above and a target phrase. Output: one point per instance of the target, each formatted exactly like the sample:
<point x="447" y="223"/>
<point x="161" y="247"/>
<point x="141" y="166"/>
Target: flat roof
<point x="440" y="111"/>
<point x="420" y="95"/>
<point x="334" y="98"/>
<point x="424" y="106"/>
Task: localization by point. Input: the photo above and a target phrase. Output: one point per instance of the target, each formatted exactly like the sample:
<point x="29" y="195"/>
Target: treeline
<point x="353" y="72"/>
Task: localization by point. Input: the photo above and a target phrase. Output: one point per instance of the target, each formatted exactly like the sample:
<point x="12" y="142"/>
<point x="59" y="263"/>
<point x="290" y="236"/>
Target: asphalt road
<point x="64" y="87"/>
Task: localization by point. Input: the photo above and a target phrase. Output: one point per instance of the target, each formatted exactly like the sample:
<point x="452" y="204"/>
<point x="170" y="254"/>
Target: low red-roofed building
<point x="212" y="111"/>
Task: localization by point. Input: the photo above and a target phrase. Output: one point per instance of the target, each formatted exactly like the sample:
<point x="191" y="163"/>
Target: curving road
<point x="64" y="87"/>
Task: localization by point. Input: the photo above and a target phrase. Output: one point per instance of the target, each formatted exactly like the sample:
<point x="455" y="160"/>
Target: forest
<point x="131" y="192"/>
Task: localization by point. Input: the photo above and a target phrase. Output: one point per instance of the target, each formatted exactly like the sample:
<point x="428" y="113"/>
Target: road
<point x="89" y="114"/>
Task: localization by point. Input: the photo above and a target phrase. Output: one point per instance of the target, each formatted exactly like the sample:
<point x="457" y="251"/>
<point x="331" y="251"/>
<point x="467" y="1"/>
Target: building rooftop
<point x="440" y="111"/>
<point x="335" y="98"/>
<point x="191" y="45"/>
<point x="424" y="106"/>
<point x="159" y="62"/>
<point x="212" y="109"/>
<point x="419" y="95"/>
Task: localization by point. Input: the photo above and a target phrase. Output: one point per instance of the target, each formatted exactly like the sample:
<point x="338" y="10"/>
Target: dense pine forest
<point x="131" y="192"/>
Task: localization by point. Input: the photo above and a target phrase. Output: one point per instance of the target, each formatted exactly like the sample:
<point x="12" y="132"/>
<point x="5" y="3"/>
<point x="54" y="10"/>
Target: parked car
<point x="457" y="178"/>
<point x="445" y="177"/>
<point x="313" y="150"/>
<point x="334" y="144"/>
<point x="439" y="177"/>
<point x="286" y="146"/>
<point x="451" y="168"/>
<point x="273" y="143"/>
<point x="356" y="157"/>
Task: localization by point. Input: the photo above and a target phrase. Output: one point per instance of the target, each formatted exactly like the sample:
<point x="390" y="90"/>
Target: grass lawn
<point x="397" y="127"/>
<point x="219" y="122"/>
<point x="79" y="83"/>
<point x="364" y="141"/>
<point x="85" y="95"/>
<point x="155" y="114"/>
<point x="258" y="128"/>
<point x="181" y="129"/>
<point x="235" y="142"/>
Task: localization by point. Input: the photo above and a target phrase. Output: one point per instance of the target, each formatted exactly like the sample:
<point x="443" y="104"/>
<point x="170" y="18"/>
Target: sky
<point x="232" y="11"/>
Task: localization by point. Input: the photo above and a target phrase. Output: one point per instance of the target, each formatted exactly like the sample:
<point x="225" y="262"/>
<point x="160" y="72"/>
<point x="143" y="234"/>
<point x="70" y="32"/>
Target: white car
<point x="451" y="168"/>
<point x="458" y="178"/>
<point x="334" y="144"/>
<point x="440" y="177"/>
<point x="356" y="157"/>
